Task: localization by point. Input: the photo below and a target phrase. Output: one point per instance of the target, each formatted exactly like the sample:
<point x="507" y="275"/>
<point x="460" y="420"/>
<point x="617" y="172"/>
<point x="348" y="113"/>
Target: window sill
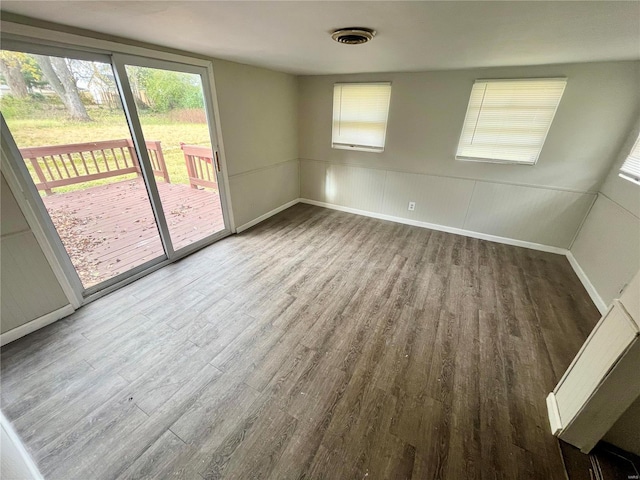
<point x="630" y="178"/>
<point x="494" y="160"/>
<point x="358" y="148"/>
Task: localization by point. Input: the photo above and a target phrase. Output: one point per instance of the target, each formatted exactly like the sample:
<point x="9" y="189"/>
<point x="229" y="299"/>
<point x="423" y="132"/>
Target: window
<point x="507" y="120"/>
<point x="630" y="169"/>
<point x="360" y="113"/>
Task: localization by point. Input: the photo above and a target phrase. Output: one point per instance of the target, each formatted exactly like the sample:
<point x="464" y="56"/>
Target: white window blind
<point x="508" y="120"/>
<point x="630" y="169"/>
<point x="360" y="112"/>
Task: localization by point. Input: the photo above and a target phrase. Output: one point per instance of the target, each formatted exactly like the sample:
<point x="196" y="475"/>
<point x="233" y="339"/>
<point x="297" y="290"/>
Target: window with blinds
<point x="360" y="112"/>
<point x="630" y="169"/>
<point x="507" y="120"/>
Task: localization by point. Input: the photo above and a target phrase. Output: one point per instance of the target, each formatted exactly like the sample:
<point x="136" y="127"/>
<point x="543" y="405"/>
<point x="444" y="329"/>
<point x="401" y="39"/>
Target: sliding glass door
<point x="170" y="103"/>
<point x="67" y="120"/>
<point x="121" y="152"/>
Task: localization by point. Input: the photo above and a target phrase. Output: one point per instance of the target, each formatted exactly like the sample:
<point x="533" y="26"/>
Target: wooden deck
<point x="110" y="229"/>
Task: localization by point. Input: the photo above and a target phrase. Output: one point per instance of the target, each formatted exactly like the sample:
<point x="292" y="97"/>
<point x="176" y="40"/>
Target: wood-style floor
<point x="318" y="345"/>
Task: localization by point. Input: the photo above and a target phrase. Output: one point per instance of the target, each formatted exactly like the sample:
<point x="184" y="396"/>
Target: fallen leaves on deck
<point x="79" y="244"/>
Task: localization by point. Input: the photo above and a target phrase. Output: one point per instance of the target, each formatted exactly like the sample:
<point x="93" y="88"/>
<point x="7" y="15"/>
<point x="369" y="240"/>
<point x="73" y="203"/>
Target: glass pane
<point x="170" y="106"/>
<point x="68" y="122"/>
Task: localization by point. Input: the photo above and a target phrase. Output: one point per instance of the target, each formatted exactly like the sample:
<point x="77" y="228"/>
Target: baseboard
<point x="36" y="324"/>
<point x="263" y="217"/>
<point x="441" y="228"/>
<point x="554" y="414"/>
<point x="591" y="290"/>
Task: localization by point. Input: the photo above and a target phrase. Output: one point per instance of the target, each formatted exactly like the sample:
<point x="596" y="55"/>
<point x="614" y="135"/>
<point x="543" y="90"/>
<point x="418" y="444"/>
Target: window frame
<point x="626" y="175"/>
<point x="463" y="158"/>
<point x="358" y="147"/>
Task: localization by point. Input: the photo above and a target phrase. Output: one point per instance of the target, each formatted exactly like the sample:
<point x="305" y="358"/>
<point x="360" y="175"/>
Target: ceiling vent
<point x="353" y="35"/>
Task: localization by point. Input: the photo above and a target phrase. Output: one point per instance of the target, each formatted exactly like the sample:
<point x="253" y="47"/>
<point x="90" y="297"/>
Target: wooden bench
<point x="200" y="166"/>
<point x="60" y="165"/>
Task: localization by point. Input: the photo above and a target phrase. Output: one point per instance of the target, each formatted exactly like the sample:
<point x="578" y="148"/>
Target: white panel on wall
<point x="539" y="215"/>
<point x="29" y="286"/>
<point x="608" y="341"/>
<point x="608" y="247"/>
<point x="312" y="180"/>
<point x="258" y="192"/>
<point x="355" y="187"/>
<point x="439" y="200"/>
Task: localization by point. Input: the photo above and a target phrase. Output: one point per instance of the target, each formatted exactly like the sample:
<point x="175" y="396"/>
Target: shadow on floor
<point x="605" y="462"/>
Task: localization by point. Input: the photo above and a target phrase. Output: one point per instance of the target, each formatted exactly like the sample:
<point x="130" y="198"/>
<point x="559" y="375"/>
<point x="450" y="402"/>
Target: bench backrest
<point x="60" y="165"/>
<point x="200" y="166"/>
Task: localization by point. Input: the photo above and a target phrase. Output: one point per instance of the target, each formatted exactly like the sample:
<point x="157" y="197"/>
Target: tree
<point x="168" y="90"/>
<point x="10" y="68"/>
<point x="138" y="77"/>
<point x="61" y="79"/>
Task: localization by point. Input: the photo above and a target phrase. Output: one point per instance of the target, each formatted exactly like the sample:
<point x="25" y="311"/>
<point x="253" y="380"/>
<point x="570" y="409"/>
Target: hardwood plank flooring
<point x="318" y="345"/>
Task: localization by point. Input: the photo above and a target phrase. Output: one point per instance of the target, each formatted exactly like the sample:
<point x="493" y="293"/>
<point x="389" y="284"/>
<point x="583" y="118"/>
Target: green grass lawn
<point x="54" y="128"/>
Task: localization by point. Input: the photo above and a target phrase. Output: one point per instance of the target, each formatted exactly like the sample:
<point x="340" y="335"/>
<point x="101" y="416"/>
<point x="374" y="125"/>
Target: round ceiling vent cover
<point x="353" y="35"/>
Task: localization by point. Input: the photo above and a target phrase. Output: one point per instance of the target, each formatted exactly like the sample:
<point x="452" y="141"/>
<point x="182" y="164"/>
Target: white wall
<point x="618" y="261"/>
<point x="29" y="288"/>
<point x="259" y="122"/>
<point x="545" y="203"/>
<point x="607" y="247"/>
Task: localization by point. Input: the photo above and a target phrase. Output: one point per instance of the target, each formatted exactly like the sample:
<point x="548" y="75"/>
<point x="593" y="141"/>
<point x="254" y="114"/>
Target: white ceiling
<point x="412" y="36"/>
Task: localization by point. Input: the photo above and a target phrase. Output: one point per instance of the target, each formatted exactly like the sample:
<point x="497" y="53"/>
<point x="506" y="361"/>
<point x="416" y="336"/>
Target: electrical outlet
<point x="412" y="206"/>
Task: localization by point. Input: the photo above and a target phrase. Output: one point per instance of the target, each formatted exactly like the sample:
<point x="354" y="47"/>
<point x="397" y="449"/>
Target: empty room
<point x="320" y="240"/>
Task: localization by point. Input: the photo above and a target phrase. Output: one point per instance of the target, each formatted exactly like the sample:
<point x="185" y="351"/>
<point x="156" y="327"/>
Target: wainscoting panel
<point x="29" y="286"/>
<point x="312" y="180"/>
<point x="607" y="247"/>
<point x="439" y="200"/>
<point x="355" y="187"/>
<point x="259" y="191"/>
<point x="532" y="214"/>
<point x="539" y="215"/>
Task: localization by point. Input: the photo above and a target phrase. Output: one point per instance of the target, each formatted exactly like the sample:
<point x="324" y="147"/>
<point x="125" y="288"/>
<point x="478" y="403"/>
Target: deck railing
<point x="200" y="167"/>
<point x="62" y="165"/>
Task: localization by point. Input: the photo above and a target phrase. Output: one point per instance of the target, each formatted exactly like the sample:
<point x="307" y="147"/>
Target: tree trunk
<point x="61" y="80"/>
<point x="15" y="80"/>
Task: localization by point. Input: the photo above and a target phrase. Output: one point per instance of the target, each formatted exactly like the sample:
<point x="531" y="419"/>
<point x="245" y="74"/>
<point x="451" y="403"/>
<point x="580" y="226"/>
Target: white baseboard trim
<point x="36" y="324"/>
<point x="554" y="414"/>
<point x="442" y="228"/>
<point x="591" y="290"/>
<point x="263" y="217"/>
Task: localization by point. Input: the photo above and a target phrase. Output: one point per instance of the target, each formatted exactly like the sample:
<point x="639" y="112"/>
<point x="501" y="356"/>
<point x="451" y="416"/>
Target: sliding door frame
<point x="119" y="62"/>
<point x="56" y="43"/>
